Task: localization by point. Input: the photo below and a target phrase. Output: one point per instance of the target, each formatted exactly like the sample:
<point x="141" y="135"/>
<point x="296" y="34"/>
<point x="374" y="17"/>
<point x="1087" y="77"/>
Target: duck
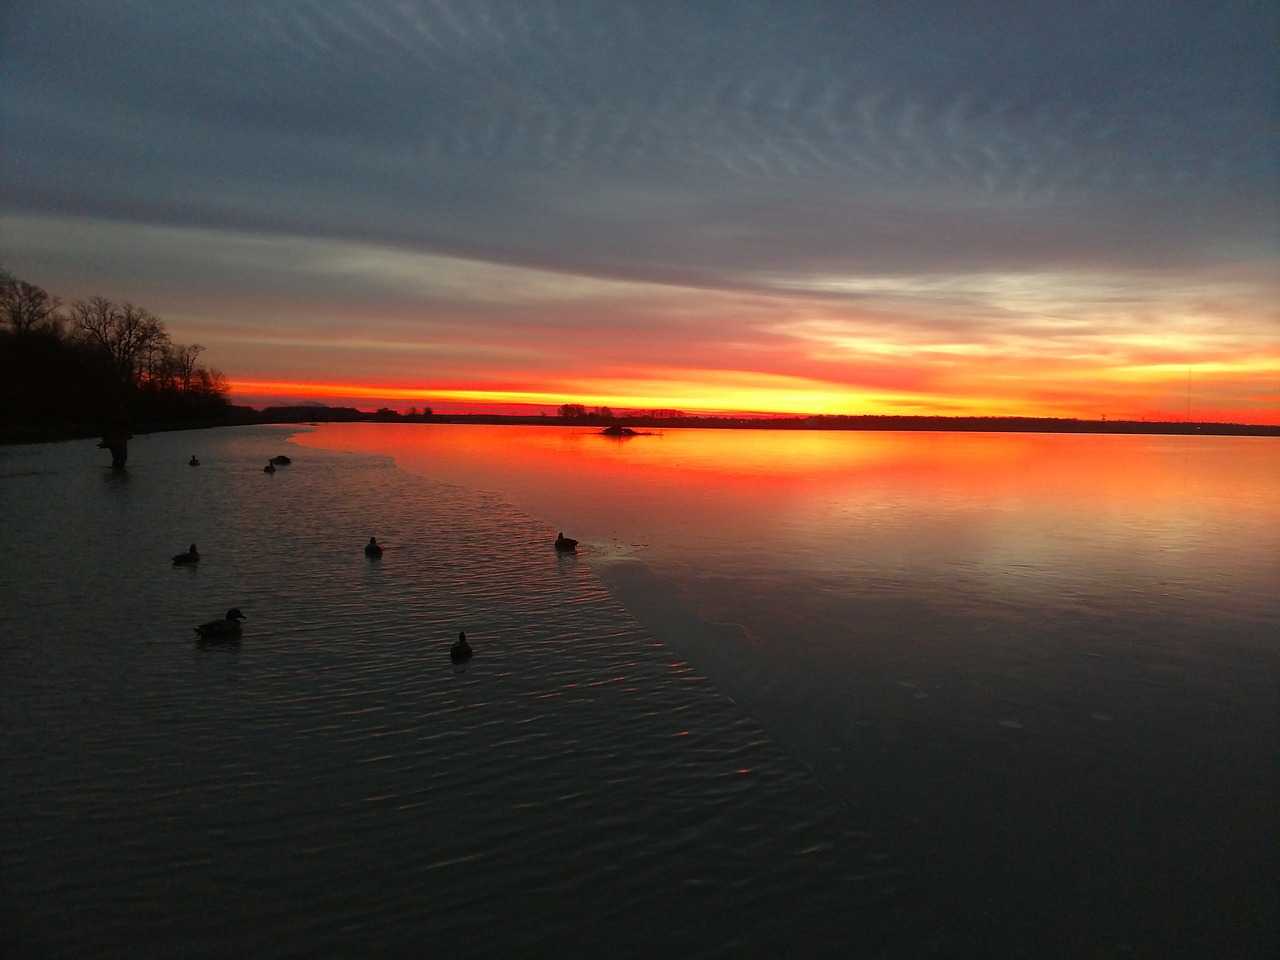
<point x="460" y="652"/>
<point x="281" y="460"/>
<point x="269" y="468"/>
<point x="228" y="628"/>
<point x="566" y="544"/>
<point x="194" y="461"/>
<point x="372" y="548"/>
<point x="191" y="556"/>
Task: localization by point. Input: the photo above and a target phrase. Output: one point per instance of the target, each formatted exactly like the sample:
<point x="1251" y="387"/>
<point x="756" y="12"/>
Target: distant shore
<point x="934" y="424"/>
<point x="320" y="414"/>
<point x="248" y="416"/>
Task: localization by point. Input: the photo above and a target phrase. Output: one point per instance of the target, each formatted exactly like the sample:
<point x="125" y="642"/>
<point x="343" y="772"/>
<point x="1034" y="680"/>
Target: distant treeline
<point x="315" y="413"/>
<point x="577" y="411"/>
<point x="95" y="366"/>
<point x="579" y="416"/>
<point x="975" y="424"/>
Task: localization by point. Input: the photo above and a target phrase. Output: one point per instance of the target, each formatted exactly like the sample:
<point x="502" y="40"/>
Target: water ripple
<point x="332" y="782"/>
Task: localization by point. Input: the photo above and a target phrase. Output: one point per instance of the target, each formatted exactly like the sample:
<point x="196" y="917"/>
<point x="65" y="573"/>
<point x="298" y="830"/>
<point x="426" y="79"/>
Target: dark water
<point x="1002" y="697"/>
<point x="332" y="784"/>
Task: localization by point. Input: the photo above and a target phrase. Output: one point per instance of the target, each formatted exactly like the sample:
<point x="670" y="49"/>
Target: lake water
<point x="820" y="693"/>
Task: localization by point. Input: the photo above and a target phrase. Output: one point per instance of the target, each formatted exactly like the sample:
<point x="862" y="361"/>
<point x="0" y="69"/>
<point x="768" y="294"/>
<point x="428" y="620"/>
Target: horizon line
<point x="595" y="419"/>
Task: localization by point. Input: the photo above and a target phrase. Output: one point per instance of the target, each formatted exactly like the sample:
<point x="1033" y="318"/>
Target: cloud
<point x="606" y="139"/>
<point x="826" y="189"/>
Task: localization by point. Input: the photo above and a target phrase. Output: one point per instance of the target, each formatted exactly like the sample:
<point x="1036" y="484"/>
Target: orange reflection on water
<point x="794" y="515"/>
<point x="751" y="465"/>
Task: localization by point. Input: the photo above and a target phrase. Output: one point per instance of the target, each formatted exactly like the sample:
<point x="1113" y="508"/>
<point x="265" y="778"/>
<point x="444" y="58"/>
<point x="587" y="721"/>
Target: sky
<point x="996" y="208"/>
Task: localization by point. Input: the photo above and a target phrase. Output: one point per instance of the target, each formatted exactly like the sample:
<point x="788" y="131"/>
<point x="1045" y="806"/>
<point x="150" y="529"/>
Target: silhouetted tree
<point x="184" y="363"/>
<point x="571" y="411"/>
<point x="211" y="384"/>
<point x="115" y="366"/>
<point x="120" y="335"/>
<point x="25" y="307"/>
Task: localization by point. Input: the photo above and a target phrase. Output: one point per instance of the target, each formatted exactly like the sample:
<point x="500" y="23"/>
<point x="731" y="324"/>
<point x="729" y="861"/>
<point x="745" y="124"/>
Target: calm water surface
<point x="830" y="694"/>
<point x="1043" y="667"/>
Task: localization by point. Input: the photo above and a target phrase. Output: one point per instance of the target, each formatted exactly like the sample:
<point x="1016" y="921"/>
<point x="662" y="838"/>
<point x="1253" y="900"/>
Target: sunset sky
<point x="1021" y="208"/>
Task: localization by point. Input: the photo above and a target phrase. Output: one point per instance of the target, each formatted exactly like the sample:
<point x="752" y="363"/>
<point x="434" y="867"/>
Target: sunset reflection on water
<point x="1028" y="659"/>
<point x="862" y="500"/>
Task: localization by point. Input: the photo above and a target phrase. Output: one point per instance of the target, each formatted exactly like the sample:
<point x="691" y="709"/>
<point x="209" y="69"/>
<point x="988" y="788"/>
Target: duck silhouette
<point x="191" y="556"/>
<point x="281" y="460"/>
<point x="269" y="468"/>
<point x="460" y="652"/>
<point x="228" y="628"/>
<point x="565" y="544"/>
<point x="372" y="548"/>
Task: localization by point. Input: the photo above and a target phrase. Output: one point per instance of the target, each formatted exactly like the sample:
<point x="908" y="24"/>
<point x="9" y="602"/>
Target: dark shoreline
<point x="63" y="434"/>
<point x="247" y="416"/>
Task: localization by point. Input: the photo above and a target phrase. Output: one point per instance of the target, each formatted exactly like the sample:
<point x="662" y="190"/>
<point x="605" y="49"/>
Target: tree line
<point x="578" y="411"/>
<point x="81" y="368"/>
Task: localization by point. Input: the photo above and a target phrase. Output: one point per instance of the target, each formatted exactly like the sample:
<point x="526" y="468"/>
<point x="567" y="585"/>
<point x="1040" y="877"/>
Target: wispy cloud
<point x="823" y="187"/>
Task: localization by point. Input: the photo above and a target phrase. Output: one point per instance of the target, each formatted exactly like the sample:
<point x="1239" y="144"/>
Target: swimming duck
<point x="191" y="556"/>
<point x="193" y="462"/>
<point x="460" y="651"/>
<point x="269" y="468"/>
<point x="566" y="544"/>
<point x="282" y="460"/>
<point x="372" y="549"/>
<point x="227" y="628"/>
